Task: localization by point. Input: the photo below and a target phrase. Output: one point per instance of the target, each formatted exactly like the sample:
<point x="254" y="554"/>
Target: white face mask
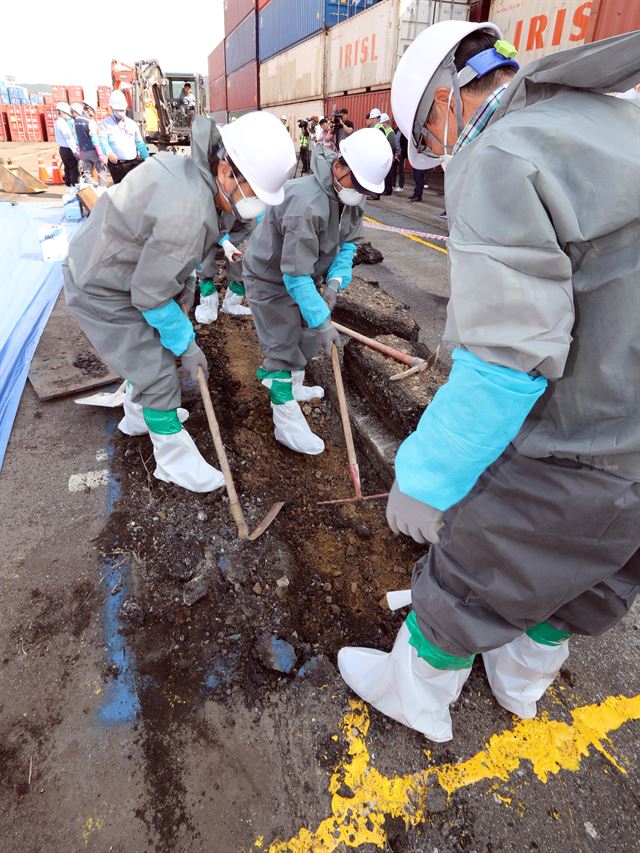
<point x="350" y="197"/>
<point x="119" y="114"/>
<point x="250" y="208"/>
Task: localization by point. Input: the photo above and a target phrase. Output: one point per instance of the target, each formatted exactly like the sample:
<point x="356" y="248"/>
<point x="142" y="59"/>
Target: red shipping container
<point x="48" y="116"/>
<point x="24" y="123"/>
<point x="216" y="62"/>
<point x="242" y="88"/>
<point x="236" y="11"/>
<point x="360" y="105"/>
<point x="5" y="136"/>
<point x="75" y="94"/>
<point x="104" y="93"/>
<point x="59" y="93"/>
<point x="262" y="4"/>
<point x="48" y="99"/>
<point x="612" y="18"/>
<point x="218" y="94"/>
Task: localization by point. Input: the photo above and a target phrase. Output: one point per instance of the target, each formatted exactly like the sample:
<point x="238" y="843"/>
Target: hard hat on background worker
<point x="263" y="151"/>
<point x="368" y="155"/>
<point x="76" y="108"/>
<point x="428" y="64"/>
<point x="375" y="113"/>
<point x="63" y="107"/>
<point x="89" y="105"/>
<point x="117" y="100"/>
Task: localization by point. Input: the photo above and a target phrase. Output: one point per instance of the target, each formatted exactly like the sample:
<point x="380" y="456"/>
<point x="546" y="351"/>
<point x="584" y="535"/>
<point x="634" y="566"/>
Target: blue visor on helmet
<point x="483" y="63"/>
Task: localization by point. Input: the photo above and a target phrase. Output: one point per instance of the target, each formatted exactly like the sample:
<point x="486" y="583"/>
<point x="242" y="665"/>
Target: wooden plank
<point x="65" y="362"/>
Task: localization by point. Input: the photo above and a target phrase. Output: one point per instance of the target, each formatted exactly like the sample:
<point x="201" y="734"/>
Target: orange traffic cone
<point x="43" y="172"/>
<point x="56" y="176"/>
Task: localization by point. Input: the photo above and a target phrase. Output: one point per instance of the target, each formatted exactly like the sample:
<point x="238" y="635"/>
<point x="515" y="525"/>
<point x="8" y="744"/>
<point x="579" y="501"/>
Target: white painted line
<point x="90" y="480"/>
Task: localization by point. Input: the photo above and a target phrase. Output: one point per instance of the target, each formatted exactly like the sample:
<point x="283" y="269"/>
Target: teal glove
<point x="342" y="266"/>
<point x="176" y="332"/>
<point x="305" y="294"/>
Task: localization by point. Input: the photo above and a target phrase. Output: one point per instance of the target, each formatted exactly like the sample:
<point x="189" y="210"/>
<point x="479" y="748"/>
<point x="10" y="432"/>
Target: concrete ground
<point x="299" y="767"/>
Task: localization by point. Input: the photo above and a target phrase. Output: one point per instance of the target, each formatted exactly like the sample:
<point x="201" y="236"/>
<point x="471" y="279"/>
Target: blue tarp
<point x="29" y="288"/>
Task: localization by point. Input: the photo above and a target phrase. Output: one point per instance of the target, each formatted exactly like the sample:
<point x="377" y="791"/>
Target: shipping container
<point x="75" y="94"/>
<point x="48" y="117"/>
<point x="540" y="27"/>
<point x="5" y="135"/>
<point x="242" y="89"/>
<point x="59" y="93"/>
<point x="240" y="46"/>
<point x="218" y="94"/>
<point x="48" y="100"/>
<point x="296" y="74"/>
<point x="612" y="18"/>
<point x="24" y="123"/>
<point x="296" y="111"/>
<point x="337" y="11"/>
<point x="103" y="93"/>
<point x="284" y="23"/>
<point x="236" y="11"/>
<point x="215" y="62"/>
<point x="360" y="106"/>
<point x="363" y="52"/>
<point x="219" y="116"/>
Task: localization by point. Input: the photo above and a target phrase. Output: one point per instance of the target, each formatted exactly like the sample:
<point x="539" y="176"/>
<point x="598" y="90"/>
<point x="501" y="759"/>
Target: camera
<point x="336" y="121"/>
<point x="303" y="123"/>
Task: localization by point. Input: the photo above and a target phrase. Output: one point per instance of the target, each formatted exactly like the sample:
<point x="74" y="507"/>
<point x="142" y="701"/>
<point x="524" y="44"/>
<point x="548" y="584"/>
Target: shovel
<point x="105" y="398"/>
<point x="415" y="364"/>
<point x="354" y="470"/>
<point x="234" y="503"/>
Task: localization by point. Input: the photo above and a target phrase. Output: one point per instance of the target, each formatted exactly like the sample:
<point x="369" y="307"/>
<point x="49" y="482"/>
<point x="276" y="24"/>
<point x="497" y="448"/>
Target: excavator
<point x="154" y="102"/>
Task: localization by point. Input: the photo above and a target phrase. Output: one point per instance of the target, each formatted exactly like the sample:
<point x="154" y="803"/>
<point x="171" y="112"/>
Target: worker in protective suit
<point x="524" y="471"/>
<point x="130" y="266"/>
<point x="308" y="239"/>
<point x="207" y="311"/>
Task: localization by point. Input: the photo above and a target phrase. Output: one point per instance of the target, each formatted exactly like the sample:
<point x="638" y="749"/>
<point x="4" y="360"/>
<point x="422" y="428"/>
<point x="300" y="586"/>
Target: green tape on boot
<point x="432" y="654"/>
<point x="162" y="423"/>
<point x="545" y="634"/>
<point x="281" y="387"/>
<point x="237" y="287"/>
<point x="207" y="287"/>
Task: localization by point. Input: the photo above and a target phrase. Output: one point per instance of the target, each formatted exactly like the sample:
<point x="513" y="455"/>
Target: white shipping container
<point x="363" y="52"/>
<point x="295" y="75"/>
<point x="294" y="112"/>
<point x="539" y="27"/>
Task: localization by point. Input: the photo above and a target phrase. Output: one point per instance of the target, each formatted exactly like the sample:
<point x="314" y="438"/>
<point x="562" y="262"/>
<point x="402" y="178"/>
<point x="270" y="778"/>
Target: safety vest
<point x="304" y="141"/>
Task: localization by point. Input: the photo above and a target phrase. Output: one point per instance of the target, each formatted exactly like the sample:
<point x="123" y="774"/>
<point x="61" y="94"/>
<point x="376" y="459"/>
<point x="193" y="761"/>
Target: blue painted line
<point x="120" y="703"/>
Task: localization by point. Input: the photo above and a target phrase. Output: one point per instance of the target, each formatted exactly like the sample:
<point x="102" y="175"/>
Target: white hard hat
<point x="63" y="107"/>
<point x="375" y="113"/>
<point x="283" y="118"/>
<point x="77" y="108"/>
<point x="383" y="117"/>
<point x="261" y="148"/>
<point x="421" y="70"/>
<point x="117" y="100"/>
<point x="369" y="157"/>
<point x="89" y="104"/>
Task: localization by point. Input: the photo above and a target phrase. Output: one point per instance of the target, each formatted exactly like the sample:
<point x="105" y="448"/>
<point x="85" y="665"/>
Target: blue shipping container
<point x="337" y="11"/>
<point x="240" y="45"/>
<point x="283" y="23"/>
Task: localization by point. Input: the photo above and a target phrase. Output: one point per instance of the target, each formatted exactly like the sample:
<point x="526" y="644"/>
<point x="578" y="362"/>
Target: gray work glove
<point x="327" y="335"/>
<point x="187" y="295"/>
<point x="193" y="358"/>
<point x="330" y="293"/>
<point x="412" y="517"/>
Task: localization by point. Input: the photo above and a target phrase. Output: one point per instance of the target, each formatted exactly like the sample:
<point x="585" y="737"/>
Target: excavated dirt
<point x="367" y="309"/>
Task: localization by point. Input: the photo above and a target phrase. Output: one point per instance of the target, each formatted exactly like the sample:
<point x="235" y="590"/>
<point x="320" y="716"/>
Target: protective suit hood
<point x="322" y="161"/>
<point x="611" y="65"/>
<point x="205" y="137"/>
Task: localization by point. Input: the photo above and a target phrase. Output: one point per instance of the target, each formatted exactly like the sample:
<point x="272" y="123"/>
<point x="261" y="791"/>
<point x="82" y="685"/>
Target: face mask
<point x="245" y="208"/>
<point x="346" y="195"/>
<point x="119" y="114"/>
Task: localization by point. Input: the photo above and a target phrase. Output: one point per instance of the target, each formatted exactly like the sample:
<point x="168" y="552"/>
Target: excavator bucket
<point x="15" y="179"/>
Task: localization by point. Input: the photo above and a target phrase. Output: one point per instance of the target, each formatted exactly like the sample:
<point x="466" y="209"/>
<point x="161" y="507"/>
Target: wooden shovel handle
<point x="354" y="470"/>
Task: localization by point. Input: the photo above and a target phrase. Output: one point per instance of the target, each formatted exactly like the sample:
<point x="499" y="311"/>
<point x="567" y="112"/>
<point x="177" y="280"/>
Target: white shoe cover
<point x="133" y="422"/>
<point x="404" y="686"/>
<point x="520" y="672"/>
<point x="292" y="429"/>
<point x="178" y="461"/>
<point x="207" y="311"/>
<point x="232" y="304"/>
<point x="301" y="392"/>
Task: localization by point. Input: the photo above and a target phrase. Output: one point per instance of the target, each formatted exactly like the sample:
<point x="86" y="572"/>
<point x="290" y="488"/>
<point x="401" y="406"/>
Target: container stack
<point x="217" y="84"/>
<point x="241" y="56"/>
<point x="75" y="94"/>
<point x="104" y="93"/>
<point x="48" y="115"/>
<point x="24" y="123"/>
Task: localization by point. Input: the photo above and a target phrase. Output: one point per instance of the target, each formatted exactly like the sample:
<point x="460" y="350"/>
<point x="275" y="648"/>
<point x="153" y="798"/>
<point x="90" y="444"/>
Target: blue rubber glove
<point x="467" y="426"/>
<point x="304" y="293"/>
<point x="176" y="332"/>
<point x="342" y="266"/>
<point x="142" y="149"/>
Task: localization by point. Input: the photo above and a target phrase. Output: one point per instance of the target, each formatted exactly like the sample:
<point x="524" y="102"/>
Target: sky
<point x="61" y="50"/>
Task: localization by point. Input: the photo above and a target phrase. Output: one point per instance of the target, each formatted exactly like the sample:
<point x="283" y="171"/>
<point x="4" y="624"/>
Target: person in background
<point x="187" y="101"/>
<point x="420" y="184"/>
<point x="324" y="134"/>
<point x="304" y="147"/>
<point x="120" y="139"/>
<point x="401" y="152"/>
<point x="374" y="117"/>
<point x="384" y="125"/>
<point x="66" y="139"/>
<point x="345" y="127"/>
<point x="284" y="121"/>
<point x="89" y="150"/>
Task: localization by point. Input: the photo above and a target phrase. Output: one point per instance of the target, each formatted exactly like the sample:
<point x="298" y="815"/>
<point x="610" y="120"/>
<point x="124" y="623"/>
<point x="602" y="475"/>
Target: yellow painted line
<point x="411" y="237"/>
<point x="548" y="745"/>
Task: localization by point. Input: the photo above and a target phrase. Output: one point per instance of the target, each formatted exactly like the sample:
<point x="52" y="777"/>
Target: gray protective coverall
<point x="545" y="277"/>
<point x="136" y="252"/>
<point x="239" y="233"/>
<point x="299" y="237"/>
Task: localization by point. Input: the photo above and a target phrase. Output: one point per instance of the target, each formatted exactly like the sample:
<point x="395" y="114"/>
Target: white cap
<point x="63" y="107"/>
<point x="375" y="113"/>
<point x="261" y="148"/>
<point x="77" y="108"/>
<point x="421" y="71"/>
<point x="384" y="117"/>
<point x="117" y="100"/>
<point x="369" y="157"/>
